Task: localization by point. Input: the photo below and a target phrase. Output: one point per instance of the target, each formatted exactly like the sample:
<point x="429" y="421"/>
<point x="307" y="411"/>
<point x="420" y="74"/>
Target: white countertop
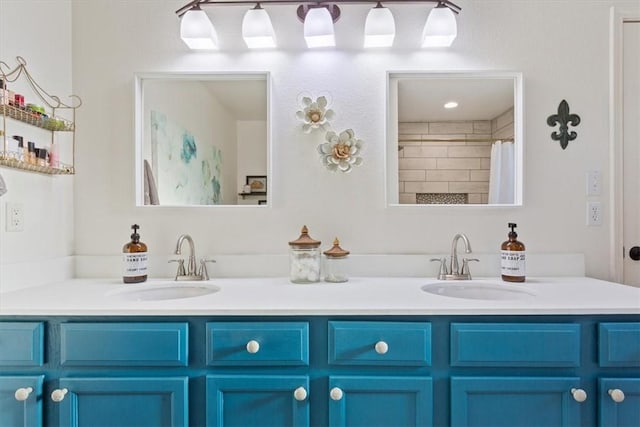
<point x="358" y="296"/>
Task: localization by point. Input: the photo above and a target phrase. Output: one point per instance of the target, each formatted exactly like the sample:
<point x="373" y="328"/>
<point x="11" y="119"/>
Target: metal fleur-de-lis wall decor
<point x="564" y="119"/>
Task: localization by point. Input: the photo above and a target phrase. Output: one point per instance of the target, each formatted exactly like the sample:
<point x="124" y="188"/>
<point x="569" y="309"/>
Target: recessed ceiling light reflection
<point x="451" y="104"/>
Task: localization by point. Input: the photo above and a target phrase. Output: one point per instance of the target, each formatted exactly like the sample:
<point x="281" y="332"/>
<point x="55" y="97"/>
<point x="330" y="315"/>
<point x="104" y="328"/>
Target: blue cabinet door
<point x="25" y="409"/>
<point x="619" y="402"/>
<point x="515" y="402"/>
<point x="257" y="400"/>
<point x="363" y="401"/>
<point x="124" y="402"/>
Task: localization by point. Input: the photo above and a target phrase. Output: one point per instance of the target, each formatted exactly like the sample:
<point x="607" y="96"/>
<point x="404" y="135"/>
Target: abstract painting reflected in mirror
<point x="454" y="139"/>
<point x="199" y="136"/>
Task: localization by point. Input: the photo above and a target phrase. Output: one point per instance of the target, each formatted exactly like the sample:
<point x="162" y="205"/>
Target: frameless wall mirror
<point x="454" y="138"/>
<point x="202" y="139"/>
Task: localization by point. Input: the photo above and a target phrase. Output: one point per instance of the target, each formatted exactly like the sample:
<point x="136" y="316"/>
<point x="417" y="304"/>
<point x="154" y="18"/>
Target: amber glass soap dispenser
<point x="512" y="263"/>
<point x="134" y="259"/>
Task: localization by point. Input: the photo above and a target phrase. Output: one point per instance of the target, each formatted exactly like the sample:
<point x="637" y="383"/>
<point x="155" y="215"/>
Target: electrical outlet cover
<point x="15" y="217"/>
<point x="594" y="213"/>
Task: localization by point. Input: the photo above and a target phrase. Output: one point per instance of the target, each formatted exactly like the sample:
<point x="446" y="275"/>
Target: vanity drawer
<point x="258" y="344"/>
<point x="124" y="344"/>
<point x="21" y="343"/>
<point x="515" y="344"/>
<point x="380" y="343"/>
<point x="619" y="344"/>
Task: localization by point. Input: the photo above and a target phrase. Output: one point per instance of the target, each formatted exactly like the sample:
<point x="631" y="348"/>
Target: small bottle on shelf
<point x="42" y="157"/>
<point x="54" y="156"/>
<point x="4" y="93"/>
<point x="31" y="150"/>
<point x="22" y="150"/>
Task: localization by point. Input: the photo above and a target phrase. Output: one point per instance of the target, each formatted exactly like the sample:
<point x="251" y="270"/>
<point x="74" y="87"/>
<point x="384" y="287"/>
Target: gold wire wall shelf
<point x="54" y="116"/>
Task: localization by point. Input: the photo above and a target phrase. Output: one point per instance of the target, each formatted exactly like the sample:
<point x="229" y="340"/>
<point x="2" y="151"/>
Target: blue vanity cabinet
<point x="21" y="349"/>
<point x="121" y="402"/>
<point x="250" y="397"/>
<point x="21" y="344"/>
<point x="21" y="400"/>
<point x="100" y="354"/>
<point x="320" y="370"/>
<point x="516" y="400"/>
<point x="380" y="399"/>
<point x="257" y="400"/>
<point x="130" y="344"/>
<point x="618" y="397"/>
<point x="619" y="402"/>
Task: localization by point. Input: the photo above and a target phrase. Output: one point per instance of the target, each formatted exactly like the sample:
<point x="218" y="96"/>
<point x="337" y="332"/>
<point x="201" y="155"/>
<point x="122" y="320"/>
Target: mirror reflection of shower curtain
<point x="501" y="182"/>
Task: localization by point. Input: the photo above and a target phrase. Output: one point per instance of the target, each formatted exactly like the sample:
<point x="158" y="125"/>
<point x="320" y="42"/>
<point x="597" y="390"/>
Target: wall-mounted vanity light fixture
<point x="197" y="31"/>
<point x="257" y="30"/>
<point x="318" y="17"/>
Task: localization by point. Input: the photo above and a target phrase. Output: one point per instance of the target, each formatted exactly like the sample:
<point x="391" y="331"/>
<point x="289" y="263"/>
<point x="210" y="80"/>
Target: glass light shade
<point x="441" y="28"/>
<point x="197" y="31"/>
<point x="257" y="29"/>
<point x="379" y="28"/>
<point x="318" y="28"/>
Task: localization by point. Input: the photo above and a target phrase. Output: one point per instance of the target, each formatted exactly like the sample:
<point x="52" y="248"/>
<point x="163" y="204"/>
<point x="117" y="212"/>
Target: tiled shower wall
<point x="446" y="158"/>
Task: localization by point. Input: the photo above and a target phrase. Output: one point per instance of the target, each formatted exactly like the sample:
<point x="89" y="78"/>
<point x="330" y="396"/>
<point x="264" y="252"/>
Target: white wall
<point x="40" y="32"/>
<point x="561" y="47"/>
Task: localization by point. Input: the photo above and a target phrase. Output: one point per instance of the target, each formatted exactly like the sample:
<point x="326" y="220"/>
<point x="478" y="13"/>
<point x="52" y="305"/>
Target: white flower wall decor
<point x="340" y="152"/>
<point x="315" y="114"/>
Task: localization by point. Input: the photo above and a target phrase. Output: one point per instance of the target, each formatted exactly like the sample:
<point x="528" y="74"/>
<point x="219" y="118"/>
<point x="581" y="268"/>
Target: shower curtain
<point x="501" y="182"/>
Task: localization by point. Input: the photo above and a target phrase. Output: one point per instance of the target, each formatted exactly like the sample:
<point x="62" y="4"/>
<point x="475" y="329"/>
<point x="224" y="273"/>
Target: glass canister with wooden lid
<point x="304" y="258"/>
<point x="336" y="264"/>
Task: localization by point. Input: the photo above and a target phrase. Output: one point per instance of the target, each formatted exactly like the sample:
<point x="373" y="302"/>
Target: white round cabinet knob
<point x="336" y="393"/>
<point x="58" y="394"/>
<point x="617" y="395"/>
<point x="382" y="347"/>
<point x="253" y="346"/>
<point x="300" y="394"/>
<point x="23" y="393"/>
<point x="579" y="395"/>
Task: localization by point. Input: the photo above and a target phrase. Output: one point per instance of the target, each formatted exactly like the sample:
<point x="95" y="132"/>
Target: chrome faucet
<point x="454" y="272"/>
<point x="190" y="272"/>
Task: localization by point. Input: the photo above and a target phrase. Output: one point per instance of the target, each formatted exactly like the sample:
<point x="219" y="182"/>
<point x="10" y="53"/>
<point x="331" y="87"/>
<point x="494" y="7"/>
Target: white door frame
<point x="618" y="16"/>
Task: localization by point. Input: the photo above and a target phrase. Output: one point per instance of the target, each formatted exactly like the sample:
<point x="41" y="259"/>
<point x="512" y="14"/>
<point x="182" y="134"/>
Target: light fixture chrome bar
<point x="454" y="7"/>
<point x="318" y="17"/>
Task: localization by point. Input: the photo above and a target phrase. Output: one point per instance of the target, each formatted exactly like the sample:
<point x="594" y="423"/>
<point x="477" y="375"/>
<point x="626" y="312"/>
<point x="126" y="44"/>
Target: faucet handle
<point x="181" y="271"/>
<point x="443" y="267"/>
<point x="204" y="274"/>
<point x="465" y="266"/>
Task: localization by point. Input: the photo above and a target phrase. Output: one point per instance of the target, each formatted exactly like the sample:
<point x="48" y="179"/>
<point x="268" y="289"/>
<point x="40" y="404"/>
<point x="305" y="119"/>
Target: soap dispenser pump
<point x="134" y="259"/>
<point x="512" y="262"/>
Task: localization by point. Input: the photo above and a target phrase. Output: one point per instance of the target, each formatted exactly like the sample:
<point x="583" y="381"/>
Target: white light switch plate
<point x="594" y="183"/>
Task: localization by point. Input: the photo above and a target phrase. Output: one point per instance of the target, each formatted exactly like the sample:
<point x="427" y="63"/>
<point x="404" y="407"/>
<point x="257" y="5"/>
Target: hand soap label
<point x="134" y="264"/>
<point x="513" y="263"/>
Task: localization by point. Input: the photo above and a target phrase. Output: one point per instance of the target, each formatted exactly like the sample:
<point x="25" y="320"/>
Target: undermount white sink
<point x="164" y="291"/>
<point x="479" y="289"/>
